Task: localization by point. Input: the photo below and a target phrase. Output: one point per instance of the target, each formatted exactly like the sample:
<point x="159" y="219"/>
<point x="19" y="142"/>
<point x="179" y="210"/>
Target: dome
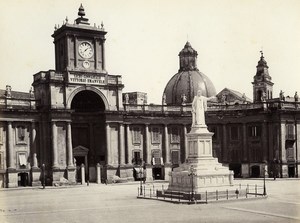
<point x="188" y="80"/>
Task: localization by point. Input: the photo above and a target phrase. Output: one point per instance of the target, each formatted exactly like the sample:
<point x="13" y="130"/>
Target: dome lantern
<point x="188" y="80"/>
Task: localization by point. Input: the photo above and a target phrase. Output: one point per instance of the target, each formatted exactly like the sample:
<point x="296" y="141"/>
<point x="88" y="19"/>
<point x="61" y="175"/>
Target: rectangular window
<point x="290" y="153"/>
<point x="175" y="138"/>
<point x="156" y="157"/>
<point x="175" y="157"/>
<point x="155" y="135"/>
<point x="290" y="132"/>
<point x="136" y="135"/>
<point x="254" y="131"/>
<point x="234" y="133"/>
<point x="137" y="158"/>
<point x="21" y="135"/>
<point x="22" y="160"/>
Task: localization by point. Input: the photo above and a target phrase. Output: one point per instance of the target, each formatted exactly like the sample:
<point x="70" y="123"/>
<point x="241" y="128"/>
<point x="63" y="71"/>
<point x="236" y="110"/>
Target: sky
<point x="145" y="37"/>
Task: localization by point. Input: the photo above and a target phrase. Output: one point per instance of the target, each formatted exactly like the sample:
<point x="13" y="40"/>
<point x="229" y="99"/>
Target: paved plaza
<point x="118" y="203"/>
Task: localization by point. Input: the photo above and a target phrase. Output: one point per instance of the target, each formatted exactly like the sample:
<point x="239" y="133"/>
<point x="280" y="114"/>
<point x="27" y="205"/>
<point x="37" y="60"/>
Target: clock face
<point x="85" y="50"/>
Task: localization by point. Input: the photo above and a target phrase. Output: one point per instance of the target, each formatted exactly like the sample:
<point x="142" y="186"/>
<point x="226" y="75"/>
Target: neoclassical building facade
<point x="77" y="124"/>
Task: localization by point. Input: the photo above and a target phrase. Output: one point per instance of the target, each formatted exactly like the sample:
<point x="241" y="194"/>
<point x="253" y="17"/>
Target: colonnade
<point x="124" y="146"/>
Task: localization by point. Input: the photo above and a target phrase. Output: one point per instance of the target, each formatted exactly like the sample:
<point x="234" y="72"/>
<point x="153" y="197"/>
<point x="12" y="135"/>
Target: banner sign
<point x="93" y="79"/>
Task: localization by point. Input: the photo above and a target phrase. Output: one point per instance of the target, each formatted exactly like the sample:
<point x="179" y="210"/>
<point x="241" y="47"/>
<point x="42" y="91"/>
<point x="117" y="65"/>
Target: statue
<point x="281" y="95"/>
<point x="296" y="97"/>
<point x="184" y="99"/>
<point x="199" y="106"/>
<point x="31" y="92"/>
<point x="244" y="98"/>
<point x="263" y="96"/>
<point x="8" y="91"/>
<point x="223" y="99"/>
<point x="164" y="99"/>
<point x="126" y="99"/>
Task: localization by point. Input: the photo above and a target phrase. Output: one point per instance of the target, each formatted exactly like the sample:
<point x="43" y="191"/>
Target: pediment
<point x="80" y="150"/>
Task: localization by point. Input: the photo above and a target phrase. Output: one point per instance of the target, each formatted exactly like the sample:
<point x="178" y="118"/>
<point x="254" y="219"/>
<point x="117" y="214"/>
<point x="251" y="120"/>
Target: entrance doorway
<point x="79" y="160"/>
<point x="22" y="179"/>
<point x="157" y="173"/>
<point x="80" y="154"/>
<point x="236" y="167"/>
<point x="255" y="171"/>
<point x="88" y="132"/>
<point x="291" y="170"/>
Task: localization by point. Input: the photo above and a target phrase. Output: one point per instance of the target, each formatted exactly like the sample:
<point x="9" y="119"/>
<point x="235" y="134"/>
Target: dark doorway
<point x="255" y="171"/>
<point x="291" y="170"/>
<point x="79" y="160"/>
<point x="22" y="179"/>
<point x="157" y="173"/>
<point x="88" y="130"/>
<point x="87" y="101"/>
<point x="236" y="168"/>
<point x="259" y="95"/>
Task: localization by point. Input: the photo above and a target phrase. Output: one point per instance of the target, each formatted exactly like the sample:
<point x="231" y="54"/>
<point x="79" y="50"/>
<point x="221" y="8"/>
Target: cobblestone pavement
<point x="118" y="203"/>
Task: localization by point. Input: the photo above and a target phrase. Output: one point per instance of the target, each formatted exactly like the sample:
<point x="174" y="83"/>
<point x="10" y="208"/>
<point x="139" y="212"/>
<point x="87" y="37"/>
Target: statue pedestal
<point x="207" y="172"/>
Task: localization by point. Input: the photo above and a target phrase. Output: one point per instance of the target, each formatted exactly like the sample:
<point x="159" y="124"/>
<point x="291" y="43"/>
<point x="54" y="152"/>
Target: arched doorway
<point x="88" y="131"/>
<point x="87" y="101"/>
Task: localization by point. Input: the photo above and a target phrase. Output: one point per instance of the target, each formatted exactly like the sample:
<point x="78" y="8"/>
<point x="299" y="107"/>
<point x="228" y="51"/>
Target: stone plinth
<point x="36" y="176"/>
<point x="206" y="169"/>
<point x="58" y="176"/>
<point x="12" y="176"/>
<point x="71" y="171"/>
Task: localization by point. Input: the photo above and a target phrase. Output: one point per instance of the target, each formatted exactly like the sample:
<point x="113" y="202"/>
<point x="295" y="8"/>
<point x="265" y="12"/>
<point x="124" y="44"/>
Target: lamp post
<point x="43" y="167"/>
<point x="141" y="178"/>
<point x="192" y="174"/>
<point x="265" y="191"/>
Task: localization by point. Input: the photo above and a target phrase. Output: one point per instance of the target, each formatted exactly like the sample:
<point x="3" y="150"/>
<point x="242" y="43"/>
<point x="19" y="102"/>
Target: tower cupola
<point x="81" y="19"/>
<point x="262" y="84"/>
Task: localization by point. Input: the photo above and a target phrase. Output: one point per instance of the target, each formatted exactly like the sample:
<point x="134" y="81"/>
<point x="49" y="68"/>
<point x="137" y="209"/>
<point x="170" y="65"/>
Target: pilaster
<point x="121" y="144"/>
<point x="10" y="146"/>
<point x="54" y="145"/>
<point x="108" y="155"/>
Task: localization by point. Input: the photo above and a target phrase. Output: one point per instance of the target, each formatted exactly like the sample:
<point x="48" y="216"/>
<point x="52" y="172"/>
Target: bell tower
<point x="79" y="46"/>
<point x="262" y="84"/>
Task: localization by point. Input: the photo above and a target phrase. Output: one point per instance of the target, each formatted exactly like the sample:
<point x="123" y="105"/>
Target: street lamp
<point x="265" y="191"/>
<point x="140" y="175"/>
<point x="192" y="174"/>
<point x="43" y="167"/>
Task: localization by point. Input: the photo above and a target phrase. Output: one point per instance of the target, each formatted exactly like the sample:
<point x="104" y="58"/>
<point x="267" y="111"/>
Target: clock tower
<point x="79" y="46"/>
